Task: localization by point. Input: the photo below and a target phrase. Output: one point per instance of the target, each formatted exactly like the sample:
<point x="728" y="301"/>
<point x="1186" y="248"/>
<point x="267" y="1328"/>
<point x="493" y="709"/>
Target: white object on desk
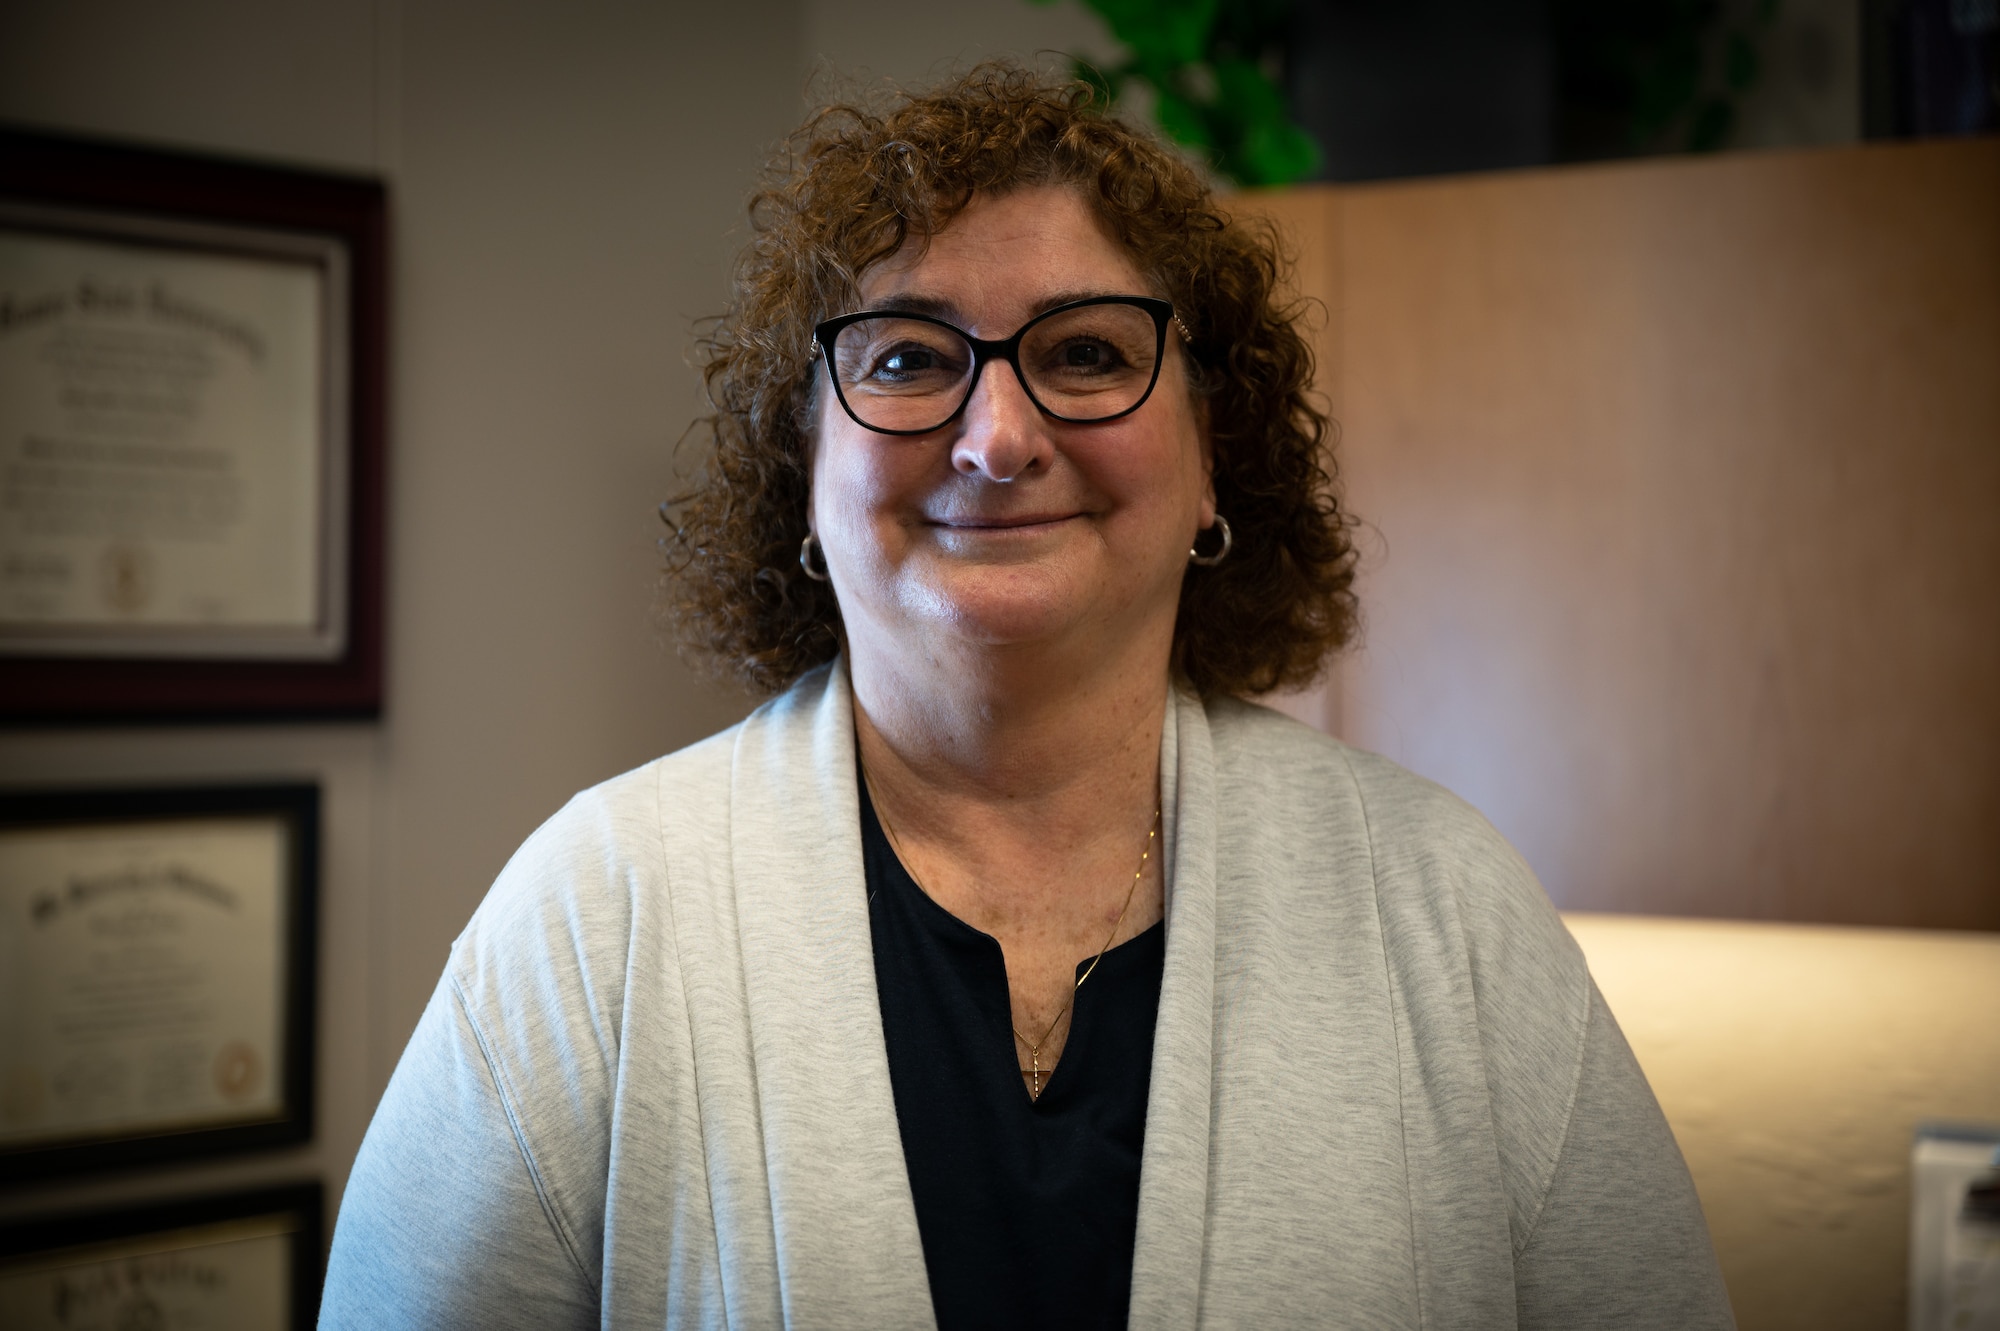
<point x="1954" y="1256"/>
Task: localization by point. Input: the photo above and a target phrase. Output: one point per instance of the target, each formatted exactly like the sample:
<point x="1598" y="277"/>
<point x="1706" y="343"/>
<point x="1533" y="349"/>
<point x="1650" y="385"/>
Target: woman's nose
<point x="1002" y="434"/>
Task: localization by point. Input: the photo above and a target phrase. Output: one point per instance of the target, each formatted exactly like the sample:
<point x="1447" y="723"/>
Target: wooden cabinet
<point x="1683" y="489"/>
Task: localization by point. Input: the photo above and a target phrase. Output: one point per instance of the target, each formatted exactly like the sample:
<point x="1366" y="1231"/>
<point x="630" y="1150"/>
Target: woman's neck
<point x="1009" y="743"/>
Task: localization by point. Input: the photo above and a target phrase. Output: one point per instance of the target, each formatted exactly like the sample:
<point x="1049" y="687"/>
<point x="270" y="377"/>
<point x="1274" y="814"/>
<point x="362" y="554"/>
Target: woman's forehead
<point x="1006" y="256"/>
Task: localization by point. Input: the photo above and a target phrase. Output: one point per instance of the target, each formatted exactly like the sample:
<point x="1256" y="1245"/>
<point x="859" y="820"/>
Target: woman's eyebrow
<point x="1048" y="303"/>
<point x="909" y="302"/>
<point x="940" y="307"/>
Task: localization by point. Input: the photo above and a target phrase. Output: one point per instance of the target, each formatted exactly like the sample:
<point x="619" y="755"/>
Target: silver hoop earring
<point x="1210" y="561"/>
<point x="806" y="559"/>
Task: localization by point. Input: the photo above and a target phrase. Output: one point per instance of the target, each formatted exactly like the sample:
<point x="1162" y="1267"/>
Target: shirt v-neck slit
<point x="1110" y="965"/>
<point x="1027" y="1208"/>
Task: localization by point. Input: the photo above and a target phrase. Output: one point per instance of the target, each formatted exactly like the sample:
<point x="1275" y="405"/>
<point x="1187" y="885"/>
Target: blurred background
<point x="1665" y="341"/>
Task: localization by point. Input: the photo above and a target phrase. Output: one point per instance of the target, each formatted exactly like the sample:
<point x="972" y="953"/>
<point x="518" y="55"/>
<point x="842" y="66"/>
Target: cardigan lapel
<point x="1173" y="1178"/>
<point x="848" y="1249"/>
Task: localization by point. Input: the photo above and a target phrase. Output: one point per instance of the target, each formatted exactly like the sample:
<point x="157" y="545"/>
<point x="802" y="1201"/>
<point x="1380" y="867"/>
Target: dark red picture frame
<point x="72" y="173"/>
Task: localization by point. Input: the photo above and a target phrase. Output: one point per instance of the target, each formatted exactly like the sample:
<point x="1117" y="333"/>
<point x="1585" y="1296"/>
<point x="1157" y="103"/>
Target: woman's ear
<point x="809" y="450"/>
<point x="1207" y="445"/>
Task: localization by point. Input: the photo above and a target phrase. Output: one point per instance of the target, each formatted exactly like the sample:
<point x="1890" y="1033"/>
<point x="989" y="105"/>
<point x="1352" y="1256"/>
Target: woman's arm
<point x="443" y="1222"/>
<point x="1619" y="1239"/>
<point x="1603" y="1222"/>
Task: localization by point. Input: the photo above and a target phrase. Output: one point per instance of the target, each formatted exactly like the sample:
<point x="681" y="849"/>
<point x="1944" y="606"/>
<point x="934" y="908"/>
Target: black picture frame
<point x="285" y="1119"/>
<point x="133" y="188"/>
<point x="127" y="1239"/>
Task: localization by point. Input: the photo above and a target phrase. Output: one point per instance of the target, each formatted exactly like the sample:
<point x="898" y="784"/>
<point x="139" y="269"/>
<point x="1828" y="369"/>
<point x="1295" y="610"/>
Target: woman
<point x="1006" y="968"/>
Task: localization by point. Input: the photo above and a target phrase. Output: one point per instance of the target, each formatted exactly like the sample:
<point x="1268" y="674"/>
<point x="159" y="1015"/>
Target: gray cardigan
<point x="651" y="1088"/>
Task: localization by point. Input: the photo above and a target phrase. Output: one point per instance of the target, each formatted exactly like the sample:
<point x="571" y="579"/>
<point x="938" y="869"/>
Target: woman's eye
<point x="907" y="362"/>
<point x="1088" y="355"/>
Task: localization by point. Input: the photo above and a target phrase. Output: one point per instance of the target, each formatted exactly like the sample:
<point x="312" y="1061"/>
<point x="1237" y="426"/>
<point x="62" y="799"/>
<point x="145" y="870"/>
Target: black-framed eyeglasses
<point x="1087" y="361"/>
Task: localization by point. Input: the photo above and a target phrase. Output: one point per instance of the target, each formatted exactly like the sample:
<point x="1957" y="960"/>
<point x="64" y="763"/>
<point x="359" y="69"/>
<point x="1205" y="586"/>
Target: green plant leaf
<point x="1248" y="91"/>
<point x="1277" y="154"/>
<point x="1174" y="32"/>
<point x="1210" y="93"/>
<point x="1181" y="119"/>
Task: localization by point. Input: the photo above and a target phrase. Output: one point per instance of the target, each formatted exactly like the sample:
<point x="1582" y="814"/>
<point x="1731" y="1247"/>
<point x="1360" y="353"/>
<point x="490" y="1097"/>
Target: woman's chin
<point x="1002" y="605"/>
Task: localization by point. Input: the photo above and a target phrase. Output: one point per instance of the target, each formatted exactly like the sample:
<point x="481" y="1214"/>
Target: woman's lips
<point x="1009" y="523"/>
<point x="1023" y="533"/>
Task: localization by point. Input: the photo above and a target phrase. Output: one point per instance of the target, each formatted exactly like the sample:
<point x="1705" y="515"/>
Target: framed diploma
<point x="191" y="419"/>
<point x="156" y="974"/>
<point x="248" y="1259"/>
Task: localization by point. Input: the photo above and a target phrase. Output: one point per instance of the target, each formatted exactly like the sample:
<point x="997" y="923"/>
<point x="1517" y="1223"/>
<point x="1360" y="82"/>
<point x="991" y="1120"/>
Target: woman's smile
<point x="1018" y="524"/>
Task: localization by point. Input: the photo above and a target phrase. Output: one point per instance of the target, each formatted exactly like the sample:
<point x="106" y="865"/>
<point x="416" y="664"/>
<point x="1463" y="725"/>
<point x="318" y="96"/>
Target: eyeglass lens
<point x="1084" y="364"/>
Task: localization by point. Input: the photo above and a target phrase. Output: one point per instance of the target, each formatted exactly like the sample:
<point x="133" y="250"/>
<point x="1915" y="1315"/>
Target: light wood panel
<point x="1685" y="478"/>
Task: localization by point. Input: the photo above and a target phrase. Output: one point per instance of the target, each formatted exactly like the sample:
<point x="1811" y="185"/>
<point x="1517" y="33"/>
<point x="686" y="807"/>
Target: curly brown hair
<point x="849" y="187"/>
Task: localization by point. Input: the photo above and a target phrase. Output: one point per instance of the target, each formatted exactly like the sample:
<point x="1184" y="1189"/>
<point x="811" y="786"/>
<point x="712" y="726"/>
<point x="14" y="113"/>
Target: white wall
<point x="564" y="183"/>
<point x="864" y="42"/>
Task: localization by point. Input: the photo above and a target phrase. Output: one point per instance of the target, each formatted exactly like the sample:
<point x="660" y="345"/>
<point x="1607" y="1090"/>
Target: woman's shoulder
<point x="1413" y="826"/>
<point x="612" y="869"/>
<point x="560" y="920"/>
<point x="605" y="833"/>
<point x="1459" y="909"/>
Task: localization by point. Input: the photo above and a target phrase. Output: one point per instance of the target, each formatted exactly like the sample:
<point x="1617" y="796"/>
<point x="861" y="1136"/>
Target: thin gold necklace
<point x="1036" y="1077"/>
<point x="1034" y="1072"/>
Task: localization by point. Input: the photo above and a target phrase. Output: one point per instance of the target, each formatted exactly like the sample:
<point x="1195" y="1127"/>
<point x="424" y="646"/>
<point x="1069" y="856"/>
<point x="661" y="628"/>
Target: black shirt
<point x="1027" y="1208"/>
